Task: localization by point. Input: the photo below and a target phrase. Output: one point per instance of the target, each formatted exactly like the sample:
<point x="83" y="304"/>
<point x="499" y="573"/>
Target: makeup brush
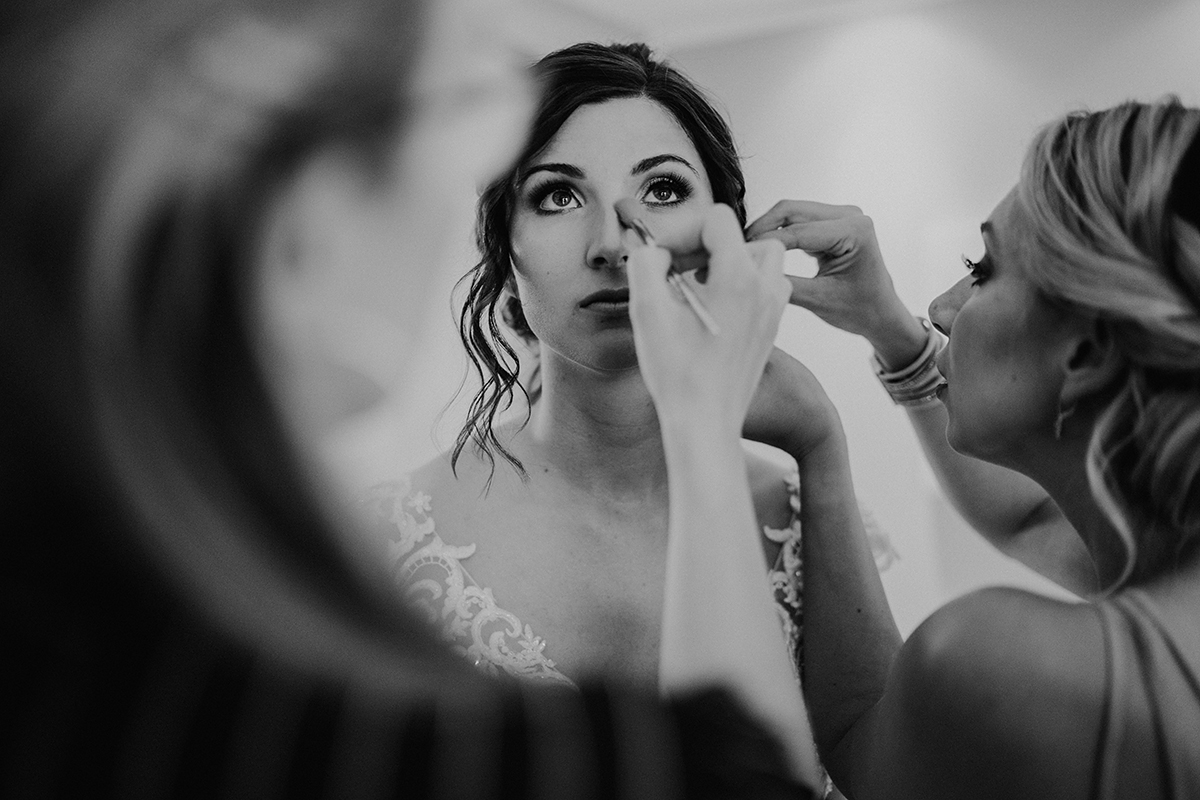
<point x="627" y="215"/>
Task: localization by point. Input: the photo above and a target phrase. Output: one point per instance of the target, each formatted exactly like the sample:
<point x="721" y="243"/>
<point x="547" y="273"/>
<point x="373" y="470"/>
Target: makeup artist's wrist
<point x="700" y="421"/>
<point x="900" y="340"/>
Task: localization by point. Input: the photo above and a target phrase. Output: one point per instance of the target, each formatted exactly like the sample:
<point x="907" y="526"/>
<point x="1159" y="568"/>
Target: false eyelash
<point x="975" y="268"/>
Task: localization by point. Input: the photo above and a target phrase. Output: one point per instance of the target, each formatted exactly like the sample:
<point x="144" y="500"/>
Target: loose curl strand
<point x="493" y="359"/>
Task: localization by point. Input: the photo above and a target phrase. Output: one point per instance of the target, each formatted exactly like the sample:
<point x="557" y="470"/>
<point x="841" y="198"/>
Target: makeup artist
<point x="1073" y="358"/>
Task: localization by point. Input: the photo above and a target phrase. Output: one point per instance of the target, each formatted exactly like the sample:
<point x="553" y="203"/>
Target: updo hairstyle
<point x="1115" y="198"/>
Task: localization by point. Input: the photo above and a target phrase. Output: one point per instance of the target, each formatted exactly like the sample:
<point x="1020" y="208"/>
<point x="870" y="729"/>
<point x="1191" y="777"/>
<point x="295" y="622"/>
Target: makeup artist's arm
<point x="719" y="621"/>
<point x="850" y="638"/>
<point x="918" y="718"/>
<point x="853" y="291"/>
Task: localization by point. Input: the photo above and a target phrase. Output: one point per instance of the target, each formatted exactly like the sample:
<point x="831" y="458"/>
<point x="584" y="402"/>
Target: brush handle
<point x="689" y="295"/>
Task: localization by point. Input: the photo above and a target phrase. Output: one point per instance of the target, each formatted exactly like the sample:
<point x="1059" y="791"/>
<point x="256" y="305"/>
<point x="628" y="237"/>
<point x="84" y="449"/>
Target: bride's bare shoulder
<point x="461" y="493"/>
<point x="444" y="478"/>
<point x="473" y="472"/>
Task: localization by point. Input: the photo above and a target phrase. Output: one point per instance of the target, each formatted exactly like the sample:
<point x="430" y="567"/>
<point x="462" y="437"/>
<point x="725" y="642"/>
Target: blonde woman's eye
<point x="978" y="270"/>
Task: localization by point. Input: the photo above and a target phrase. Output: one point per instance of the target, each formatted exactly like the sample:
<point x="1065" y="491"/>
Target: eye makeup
<point x="662" y="191"/>
<point x="980" y="271"/>
<point x="677" y="186"/>
<point x="543" y="197"/>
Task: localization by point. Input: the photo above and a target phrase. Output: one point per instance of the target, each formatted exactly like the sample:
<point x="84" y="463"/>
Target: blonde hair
<point x="1114" y="196"/>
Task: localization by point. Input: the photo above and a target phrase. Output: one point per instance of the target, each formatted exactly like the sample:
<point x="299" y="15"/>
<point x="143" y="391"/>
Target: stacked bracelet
<point x="916" y="384"/>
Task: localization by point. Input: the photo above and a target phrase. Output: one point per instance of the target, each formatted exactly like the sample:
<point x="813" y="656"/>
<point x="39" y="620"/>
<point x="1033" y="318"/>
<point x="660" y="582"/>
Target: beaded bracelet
<point x="916" y="384"/>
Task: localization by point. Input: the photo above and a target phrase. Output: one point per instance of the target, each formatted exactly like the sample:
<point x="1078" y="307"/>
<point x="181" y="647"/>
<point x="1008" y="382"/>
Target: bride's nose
<point x="606" y="247"/>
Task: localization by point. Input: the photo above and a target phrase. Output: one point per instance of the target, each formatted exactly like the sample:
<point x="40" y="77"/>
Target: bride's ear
<point x="1091" y="364"/>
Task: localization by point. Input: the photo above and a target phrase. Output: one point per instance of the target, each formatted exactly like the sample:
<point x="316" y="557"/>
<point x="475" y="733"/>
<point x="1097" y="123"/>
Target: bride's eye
<point x="555" y="198"/>
<point x="666" y="191"/>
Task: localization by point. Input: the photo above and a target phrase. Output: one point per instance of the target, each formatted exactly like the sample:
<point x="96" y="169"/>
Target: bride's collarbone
<point x="561" y="537"/>
<point x="591" y="587"/>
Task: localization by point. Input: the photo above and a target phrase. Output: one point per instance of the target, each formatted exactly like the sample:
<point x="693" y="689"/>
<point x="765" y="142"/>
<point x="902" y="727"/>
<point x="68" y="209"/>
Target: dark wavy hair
<point x="579" y="75"/>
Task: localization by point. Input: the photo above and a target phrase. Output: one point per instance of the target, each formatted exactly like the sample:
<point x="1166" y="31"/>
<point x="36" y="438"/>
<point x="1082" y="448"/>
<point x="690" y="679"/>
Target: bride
<point x="539" y="542"/>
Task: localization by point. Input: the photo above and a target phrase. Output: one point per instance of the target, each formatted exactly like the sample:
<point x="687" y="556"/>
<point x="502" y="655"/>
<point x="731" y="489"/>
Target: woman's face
<point x="1008" y="345"/>
<point x="569" y="253"/>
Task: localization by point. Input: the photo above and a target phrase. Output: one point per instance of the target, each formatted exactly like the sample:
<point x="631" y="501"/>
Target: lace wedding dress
<point x="434" y="578"/>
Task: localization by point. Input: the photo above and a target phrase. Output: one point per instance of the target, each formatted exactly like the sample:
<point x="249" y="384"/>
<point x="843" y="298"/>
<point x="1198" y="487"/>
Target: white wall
<point x="921" y="118"/>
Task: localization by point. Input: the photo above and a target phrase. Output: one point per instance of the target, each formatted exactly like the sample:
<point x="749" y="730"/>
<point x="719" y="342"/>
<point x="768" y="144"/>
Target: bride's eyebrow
<point x="570" y="170"/>
<point x="647" y="164"/>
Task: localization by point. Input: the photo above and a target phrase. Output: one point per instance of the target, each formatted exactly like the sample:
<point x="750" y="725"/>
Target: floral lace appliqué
<point x="430" y="574"/>
<point x="786" y="574"/>
<point x="432" y="577"/>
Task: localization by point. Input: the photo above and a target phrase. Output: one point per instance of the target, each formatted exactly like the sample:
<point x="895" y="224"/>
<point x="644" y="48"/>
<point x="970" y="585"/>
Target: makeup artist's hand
<point x="852" y="289"/>
<point x="691" y="373"/>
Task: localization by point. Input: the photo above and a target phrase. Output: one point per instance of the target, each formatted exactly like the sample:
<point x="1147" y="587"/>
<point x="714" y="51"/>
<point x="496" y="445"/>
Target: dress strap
<point x="1112" y="727"/>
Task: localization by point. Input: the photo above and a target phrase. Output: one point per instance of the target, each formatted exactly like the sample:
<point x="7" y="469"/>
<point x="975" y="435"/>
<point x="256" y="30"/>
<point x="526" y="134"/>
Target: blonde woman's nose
<point x="945" y="306"/>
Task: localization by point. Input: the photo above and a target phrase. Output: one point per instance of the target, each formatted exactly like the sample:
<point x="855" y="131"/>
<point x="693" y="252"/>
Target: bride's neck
<point x="599" y="428"/>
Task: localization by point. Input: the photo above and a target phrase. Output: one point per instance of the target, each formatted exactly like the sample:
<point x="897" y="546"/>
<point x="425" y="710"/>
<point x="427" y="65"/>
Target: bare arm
<point x="719" y="621"/>
<point x="918" y="719"/>
<point x="850" y="639"/>
<point x="853" y="291"/>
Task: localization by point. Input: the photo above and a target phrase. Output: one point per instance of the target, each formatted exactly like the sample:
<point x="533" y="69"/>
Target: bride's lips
<point x="606" y="298"/>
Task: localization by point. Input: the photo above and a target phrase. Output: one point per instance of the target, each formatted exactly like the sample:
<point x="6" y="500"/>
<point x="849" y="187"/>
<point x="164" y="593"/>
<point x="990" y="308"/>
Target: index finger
<point x="790" y="212"/>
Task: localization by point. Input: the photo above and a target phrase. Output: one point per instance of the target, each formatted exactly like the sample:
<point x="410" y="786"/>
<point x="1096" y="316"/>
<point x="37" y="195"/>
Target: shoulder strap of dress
<point x="1116" y="682"/>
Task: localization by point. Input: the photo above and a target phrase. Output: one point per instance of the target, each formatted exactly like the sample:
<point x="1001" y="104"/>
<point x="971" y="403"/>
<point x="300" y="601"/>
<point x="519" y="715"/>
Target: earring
<point x="1063" y="413"/>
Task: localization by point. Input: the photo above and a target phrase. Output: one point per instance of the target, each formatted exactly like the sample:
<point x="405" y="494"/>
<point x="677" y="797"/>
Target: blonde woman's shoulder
<point x="1000" y="688"/>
